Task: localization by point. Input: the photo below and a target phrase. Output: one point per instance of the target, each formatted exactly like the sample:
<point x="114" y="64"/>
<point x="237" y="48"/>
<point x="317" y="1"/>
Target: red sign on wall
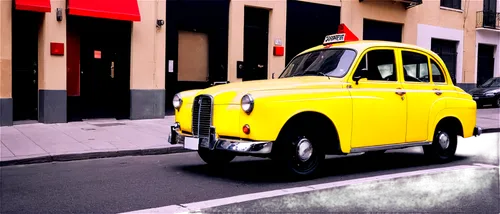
<point x="97" y="54"/>
<point x="57" y="48"/>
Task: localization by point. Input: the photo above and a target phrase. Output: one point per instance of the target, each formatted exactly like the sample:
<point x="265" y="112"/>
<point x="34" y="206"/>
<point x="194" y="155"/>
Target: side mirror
<point x="360" y="75"/>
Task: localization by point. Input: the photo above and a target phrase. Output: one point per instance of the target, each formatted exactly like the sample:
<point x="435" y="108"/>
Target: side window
<point x="379" y="65"/>
<point x="415" y="67"/>
<point x="437" y="73"/>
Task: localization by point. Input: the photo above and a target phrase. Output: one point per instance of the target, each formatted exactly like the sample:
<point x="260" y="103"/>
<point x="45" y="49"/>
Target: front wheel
<point x="444" y="145"/>
<point x="215" y="157"/>
<point x="301" y="154"/>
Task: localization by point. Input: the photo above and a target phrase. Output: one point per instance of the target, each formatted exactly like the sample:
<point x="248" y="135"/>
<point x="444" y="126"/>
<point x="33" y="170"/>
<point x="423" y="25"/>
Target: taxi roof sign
<point x="343" y="35"/>
<point x="334" y="38"/>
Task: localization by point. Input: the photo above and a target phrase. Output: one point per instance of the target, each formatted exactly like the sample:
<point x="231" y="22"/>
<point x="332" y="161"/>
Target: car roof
<point x="362" y="45"/>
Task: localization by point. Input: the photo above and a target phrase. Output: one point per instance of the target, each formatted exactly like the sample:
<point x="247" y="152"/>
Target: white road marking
<point x="197" y="206"/>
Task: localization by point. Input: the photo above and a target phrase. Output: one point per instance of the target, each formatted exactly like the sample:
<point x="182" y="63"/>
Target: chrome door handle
<point x="400" y="92"/>
<point x="437" y="91"/>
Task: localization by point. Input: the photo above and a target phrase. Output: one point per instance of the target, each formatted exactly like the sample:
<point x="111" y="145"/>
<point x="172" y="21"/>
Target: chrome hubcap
<point x="304" y="150"/>
<point x="444" y="140"/>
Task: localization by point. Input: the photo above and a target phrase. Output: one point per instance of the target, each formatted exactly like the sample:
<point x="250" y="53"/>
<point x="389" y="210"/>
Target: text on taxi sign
<point x="334" y="38"/>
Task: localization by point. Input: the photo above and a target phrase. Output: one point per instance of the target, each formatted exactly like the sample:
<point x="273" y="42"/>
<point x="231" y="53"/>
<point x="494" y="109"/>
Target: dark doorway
<point x="105" y="67"/>
<point x="447" y="50"/>
<point x="385" y="31"/>
<point x="485" y="63"/>
<point x="307" y="24"/>
<point x="191" y="22"/>
<point x="25" y="64"/>
<point x="255" y="43"/>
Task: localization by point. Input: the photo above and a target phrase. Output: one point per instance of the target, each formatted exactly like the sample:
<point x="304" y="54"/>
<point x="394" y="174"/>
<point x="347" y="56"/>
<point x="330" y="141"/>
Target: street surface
<point x="488" y="117"/>
<point x="403" y="184"/>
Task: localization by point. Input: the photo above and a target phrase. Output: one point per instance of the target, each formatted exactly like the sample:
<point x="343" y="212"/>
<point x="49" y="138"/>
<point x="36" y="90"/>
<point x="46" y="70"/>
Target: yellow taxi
<point x="344" y="96"/>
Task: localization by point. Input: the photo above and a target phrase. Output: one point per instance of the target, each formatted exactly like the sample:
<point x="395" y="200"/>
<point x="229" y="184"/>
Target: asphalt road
<point x="134" y="183"/>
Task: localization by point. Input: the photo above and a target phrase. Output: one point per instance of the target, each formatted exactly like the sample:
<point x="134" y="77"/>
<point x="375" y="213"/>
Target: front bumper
<point x="213" y="143"/>
<point x="477" y="131"/>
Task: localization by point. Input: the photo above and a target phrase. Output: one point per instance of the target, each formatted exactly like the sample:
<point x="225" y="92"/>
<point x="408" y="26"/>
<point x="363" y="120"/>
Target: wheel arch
<point x="450" y="121"/>
<point x="328" y="128"/>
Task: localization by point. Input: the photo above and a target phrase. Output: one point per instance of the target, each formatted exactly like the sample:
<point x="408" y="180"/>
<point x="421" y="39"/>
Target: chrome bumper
<point x="477" y="131"/>
<point x="212" y="143"/>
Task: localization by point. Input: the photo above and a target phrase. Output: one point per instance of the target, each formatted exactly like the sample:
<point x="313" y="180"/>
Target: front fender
<point x="271" y="112"/>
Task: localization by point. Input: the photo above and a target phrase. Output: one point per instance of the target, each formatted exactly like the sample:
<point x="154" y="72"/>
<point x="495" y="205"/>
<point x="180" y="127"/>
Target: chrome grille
<point x="202" y="115"/>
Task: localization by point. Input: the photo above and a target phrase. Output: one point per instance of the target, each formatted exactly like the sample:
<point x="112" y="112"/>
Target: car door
<point x="420" y="91"/>
<point x="379" y="104"/>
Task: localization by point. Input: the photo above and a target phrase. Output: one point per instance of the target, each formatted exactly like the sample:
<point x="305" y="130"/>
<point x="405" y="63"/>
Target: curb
<point x="122" y="153"/>
<point x="95" y="155"/>
<point x="492" y="130"/>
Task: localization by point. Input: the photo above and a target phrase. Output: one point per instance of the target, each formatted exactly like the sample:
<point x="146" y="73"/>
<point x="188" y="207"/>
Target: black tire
<point x="215" y="157"/>
<point x="288" y="153"/>
<point x="497" y="102"/>
<point x="441" y="152"/>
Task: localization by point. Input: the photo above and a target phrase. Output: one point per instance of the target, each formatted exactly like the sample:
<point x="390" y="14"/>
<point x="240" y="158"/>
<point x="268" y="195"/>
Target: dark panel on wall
<point x="52" y="106"/>
<point x="307" y="25"/>
<point x="466" y="86"/>
<point x="6" y="112"/>
<point x="147" y="104"/>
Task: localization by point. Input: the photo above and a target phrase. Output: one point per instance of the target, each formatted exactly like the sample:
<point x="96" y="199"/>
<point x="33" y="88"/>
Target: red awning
<point x="33" y="5"/>
<point x="127" y="10"/>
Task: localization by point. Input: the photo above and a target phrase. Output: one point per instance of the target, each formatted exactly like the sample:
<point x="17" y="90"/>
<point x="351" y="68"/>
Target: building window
<point x="455" y="4"/>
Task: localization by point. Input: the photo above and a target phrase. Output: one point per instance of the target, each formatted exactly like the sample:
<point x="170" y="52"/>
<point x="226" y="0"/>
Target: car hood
<point x="231" y="93"/>
<point x="483" y="90"/>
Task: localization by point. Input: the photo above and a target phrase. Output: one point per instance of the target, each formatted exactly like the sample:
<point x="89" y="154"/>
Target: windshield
<point x="328" y="62"/>
<point x="493" y="82"/>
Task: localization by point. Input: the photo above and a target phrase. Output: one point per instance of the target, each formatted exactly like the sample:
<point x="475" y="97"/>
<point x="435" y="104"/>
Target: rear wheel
<point x="444" y="144"/>
<point x="215" y="157"/>
<point x="300" y="152"/>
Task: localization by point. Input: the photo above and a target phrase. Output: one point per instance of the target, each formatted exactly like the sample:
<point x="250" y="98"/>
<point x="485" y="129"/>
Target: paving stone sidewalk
<point x="33" y="143"/>
<point x="38" y="142"/>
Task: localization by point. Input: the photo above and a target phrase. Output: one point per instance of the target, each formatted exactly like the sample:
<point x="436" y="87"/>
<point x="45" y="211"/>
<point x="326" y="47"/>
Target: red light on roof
<point x="349" y="36"/>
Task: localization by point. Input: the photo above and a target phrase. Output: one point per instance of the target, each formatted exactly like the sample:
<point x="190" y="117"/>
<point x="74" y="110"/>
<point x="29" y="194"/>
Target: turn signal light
<point x="246" y="129"/>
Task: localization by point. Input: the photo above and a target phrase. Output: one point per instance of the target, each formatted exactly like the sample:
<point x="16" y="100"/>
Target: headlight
<point x="177" y="102"/>
<point x="494" y="91"/>
<point x="489" y="94"/>
<point x="247" y="103"/>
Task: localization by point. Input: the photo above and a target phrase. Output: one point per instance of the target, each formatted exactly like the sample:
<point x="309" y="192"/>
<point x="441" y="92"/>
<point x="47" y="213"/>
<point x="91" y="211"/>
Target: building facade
<point x="69" y="60"/>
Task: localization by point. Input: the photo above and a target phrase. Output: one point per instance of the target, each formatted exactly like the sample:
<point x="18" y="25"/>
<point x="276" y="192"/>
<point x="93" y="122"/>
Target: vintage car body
<point x="299" y="119"/>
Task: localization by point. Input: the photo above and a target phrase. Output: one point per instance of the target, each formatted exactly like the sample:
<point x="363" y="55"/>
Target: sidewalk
<point x="489" y="118"/>
<point x="33" y="143"/>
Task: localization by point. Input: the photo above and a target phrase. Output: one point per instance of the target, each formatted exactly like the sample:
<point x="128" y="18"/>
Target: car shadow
<point x="339" y="167"/>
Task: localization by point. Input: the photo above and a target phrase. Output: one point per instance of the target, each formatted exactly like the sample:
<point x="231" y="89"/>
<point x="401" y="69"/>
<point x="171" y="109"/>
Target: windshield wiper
<point x="315" y="72"/>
